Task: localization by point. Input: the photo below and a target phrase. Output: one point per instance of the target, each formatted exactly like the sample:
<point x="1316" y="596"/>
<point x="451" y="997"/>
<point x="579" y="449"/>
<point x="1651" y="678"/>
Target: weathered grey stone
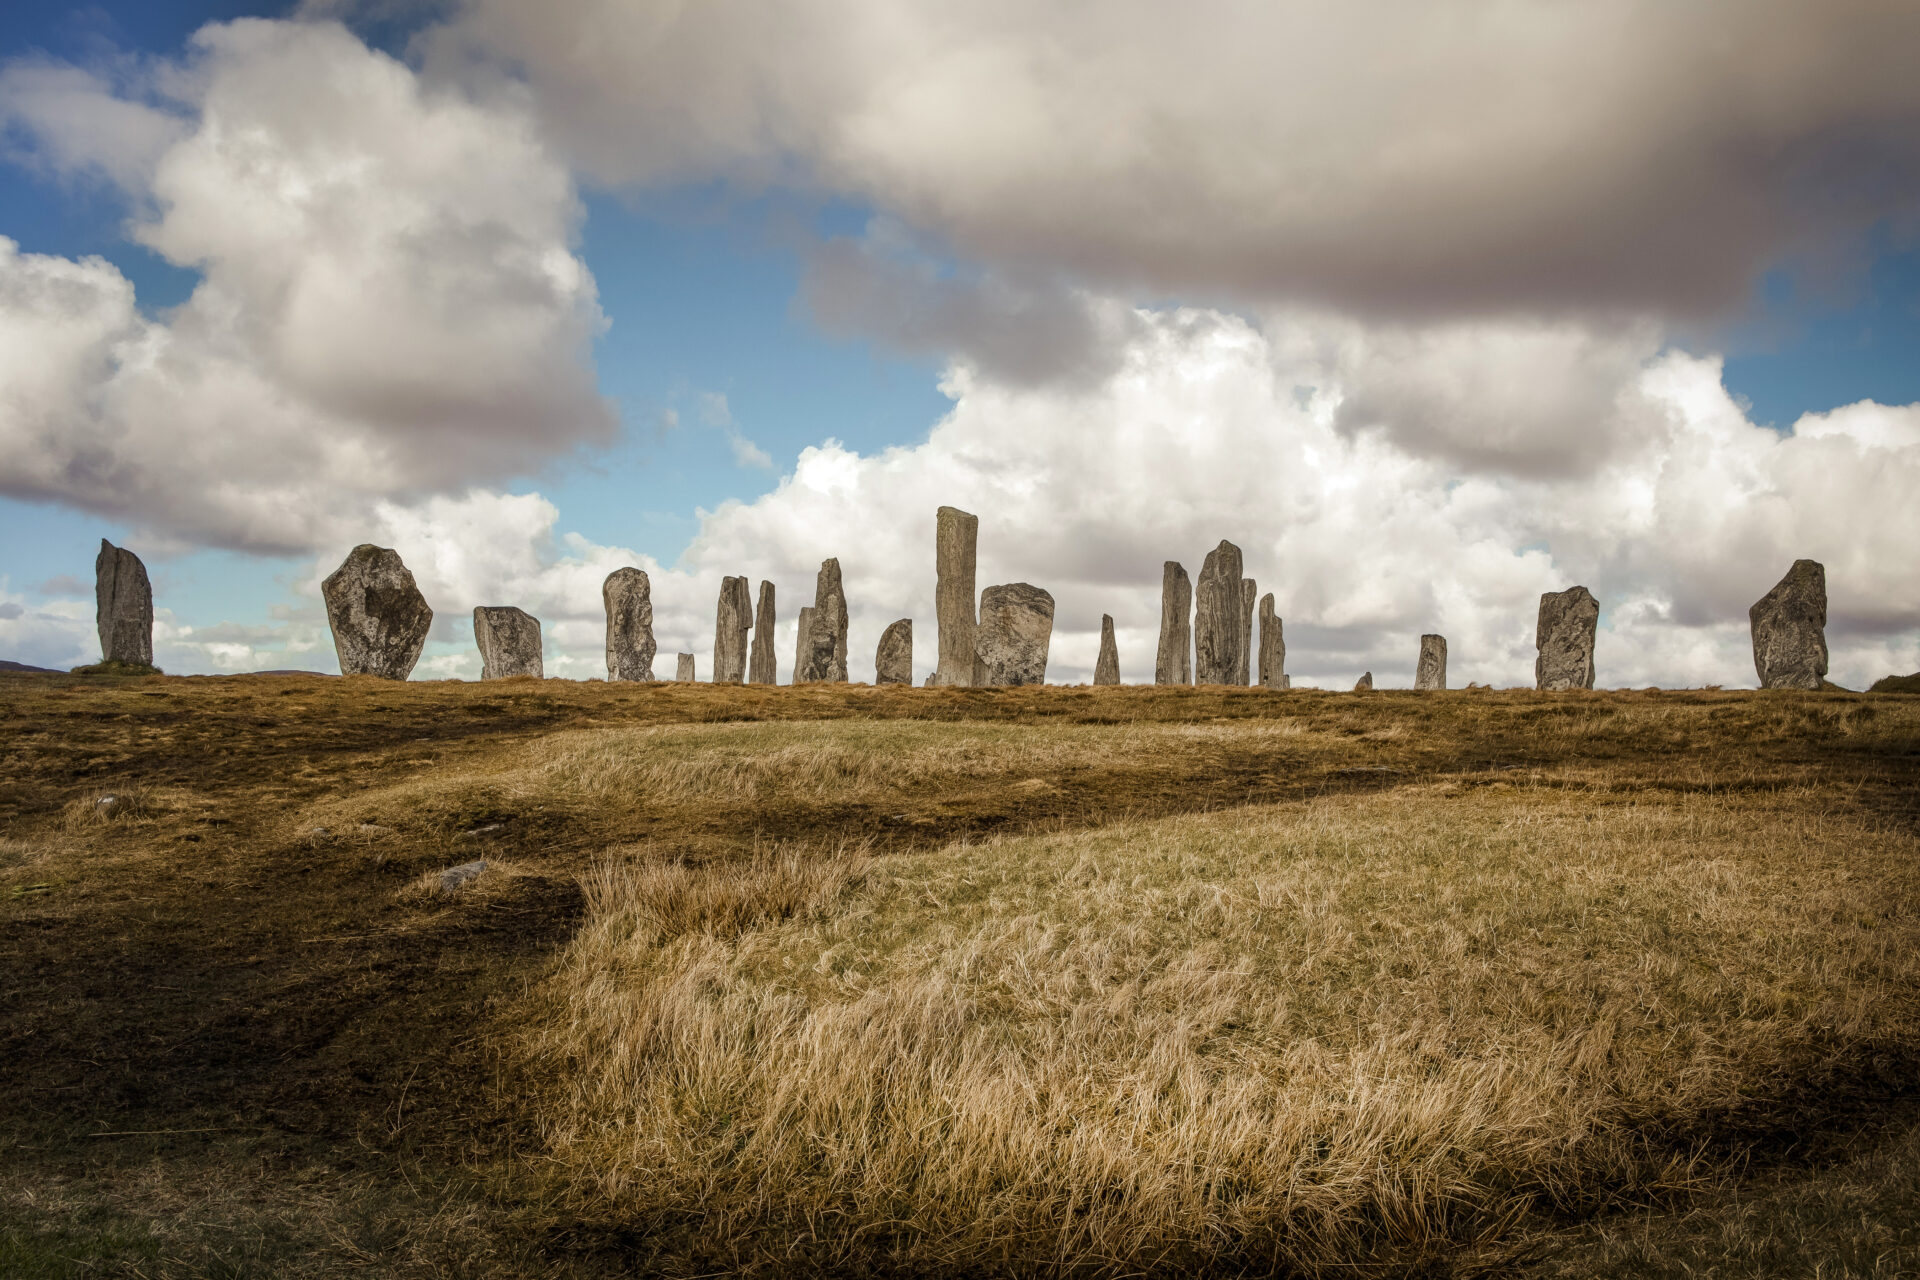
<point x="1568" y="620"/>
<point x="1364" y="684"/>
<point x="802" y="643"/>
<point x="825" y="651"/>
<point x="1432" y="671"/>
<point x="762" y="668"/>
<point x="1016" y="628"/>
<point x="1173" y="661"/>
<point x="378" y="617"/>
<point x="123" y="606"/>
<point x="730" y="625"/>
<point x="683" y="669"/>
<point x="1243" y="651"/>
<point x="1106" y="668"/>
<point x="463" y="875"/>
<point x="509" y="641"/>
<point x="1216" y="618"/>
<point x="628" y="597"/>
<point x="955" y="539"/>
<point x="1273" y="647"/>
<point x="893" y="662"/>
<point x="1790" y="629"/>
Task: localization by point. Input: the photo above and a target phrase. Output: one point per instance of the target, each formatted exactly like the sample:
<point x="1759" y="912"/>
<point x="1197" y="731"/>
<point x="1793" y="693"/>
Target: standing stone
<point x="955" y="540"/>
<point x="802" y="644"/>
<point x="893" y="663"/>
<point x="509" y="641"/>
<point x="1273" y="647"/>
<point x="628" y="597"/>
<point x="825" y="650"/>
<point x="683" y="672"/>
<point x="1365" y="683"/>
<point x="1016" y="627"/>
<point x="1790" y="629"/>
<point x="1173" y="661"/>
<point x="1243" y="655"/>
<point x="1568" y="620"/>
<point x="1106" y="668"/>
<point x="1432" y="671"/>
<point x="378" y="617"/>
<point x="761" y="665"/>
<point x="123" y="606"/>
<point x="730" y="624"/>
<point x="1216" y="618"/>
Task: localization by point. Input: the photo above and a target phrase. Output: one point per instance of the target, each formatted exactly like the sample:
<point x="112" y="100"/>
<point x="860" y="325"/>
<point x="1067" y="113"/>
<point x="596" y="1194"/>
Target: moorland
<point x="836" y="979"/>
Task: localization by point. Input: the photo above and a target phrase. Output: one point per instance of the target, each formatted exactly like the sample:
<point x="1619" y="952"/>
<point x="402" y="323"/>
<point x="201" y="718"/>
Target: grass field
<point x="1061" y="981"/>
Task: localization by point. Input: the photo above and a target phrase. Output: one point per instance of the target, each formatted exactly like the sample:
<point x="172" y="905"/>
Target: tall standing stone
<point x="683" y="669"/>
<point x="1273" y="647"/>
<point x="1173" y="661"/>
<point x="1365" y="683"/>
<point x="1568" y="620"/>
<point x="628" y="597"/>
<point x="1016" y="628"/>
<point x="378" y="617"/>
<point x="1216" y="618"/>
<point x="731" y="622"/>
<point x="802" y="643"/>
<point x="509" y="641"/>
<point x="1243" y="654"/>
<point x="762" y="667"/>
<point x="1790" y="629"/>
<point x="1106" y="668"/>
<point x="893" y="661"/>
<point x="825" y="649"/>
<point x="955" y="542"/>
<point x="123" y="606"/>
<point x="1432" y="671"/>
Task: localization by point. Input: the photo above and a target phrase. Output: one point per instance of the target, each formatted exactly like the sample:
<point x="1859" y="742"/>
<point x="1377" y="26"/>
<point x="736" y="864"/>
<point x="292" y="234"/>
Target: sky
<point x="1430" y="308"/>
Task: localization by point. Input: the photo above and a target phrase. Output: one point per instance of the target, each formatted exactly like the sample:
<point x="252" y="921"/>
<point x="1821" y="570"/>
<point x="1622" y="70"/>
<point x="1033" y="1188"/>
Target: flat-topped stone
<point x="628" y="597"/>
<point x="1568" y="621"/>
<point x="762" y="668"/>
<point x="1015" y="631"/>
<point x="1216" y="617"/>
<point x="1106" y="668"/>
<point x="1431" y="673"/>
<point x="123" y="606"/>
<point x="378" y="617"/>
<point x="893" y="660"/>
<point x="1790" y="629"/>
<point x="955" y="541"/>
<point x="1173" y="660"/>
<point x="732" y="620"/>
<point x="683" y="669"/>
<point x="509" y="641"/>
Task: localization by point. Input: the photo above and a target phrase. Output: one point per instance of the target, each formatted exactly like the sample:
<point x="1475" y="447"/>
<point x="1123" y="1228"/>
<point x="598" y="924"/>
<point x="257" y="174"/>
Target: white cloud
<point x="389" y="305"/>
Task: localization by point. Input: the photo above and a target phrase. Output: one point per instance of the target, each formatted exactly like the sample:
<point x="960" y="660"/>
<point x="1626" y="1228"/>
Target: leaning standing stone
<point x="123" y="606"/>
<point x="509" y="641"/>
<point x="683" y="672"/>
<point x="1106" y="668"/>
<point x="826" y="640"/>
<point x="1216" y="617"/>
<point x="1016" y="628"/>
<point x="1365" y="683"/>
<point x="893" y="663"/>
<point x="730" y="625"/>
<point x="1432" y="671"/>
<point x="802" y="644"/>
<point x="955" y="540"/>
<point x="1273" y="647"/>
<point x="1568" y="620"/>
<point x="1790" y="629"/>
<point x="628" y="597"/>
<point x="378" y="617"/>
<point x="1173" y="661"/>
<point x="761" y="668"/>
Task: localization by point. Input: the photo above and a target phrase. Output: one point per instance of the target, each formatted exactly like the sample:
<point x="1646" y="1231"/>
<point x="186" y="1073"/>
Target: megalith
<point x="123" y="606"/>
<point x="378" y="617"/>
<point x="683" y="669"/>
<point x="825" y="646"/>
<point x="1273" y="647"/>
<point x="1365" y="683"/>
<point x="1015" y="629"/>
<point x="802" y="644"/>
<point x="1432" y="671"/>
<point x="1568" y="620"/>
<point x="955" y="542"/>
<point x="731" y="622"/>
<point x="1790" y="629"/>
<point x="509" y="641"/>
<point x="1216" y="618"/>
<point x="762" y="667"/>
<point x="1106" y="668"/>
<point x="628" y="596"/>
<point x="893" y="661"/>
<point x="1243" y="654"/>
<point x="1173" y="661"/>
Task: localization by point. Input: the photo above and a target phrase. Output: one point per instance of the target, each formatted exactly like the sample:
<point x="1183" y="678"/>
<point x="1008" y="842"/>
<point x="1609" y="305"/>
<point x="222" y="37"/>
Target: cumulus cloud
<point x="388" y="305"/>
<point x="1375" y="157"/>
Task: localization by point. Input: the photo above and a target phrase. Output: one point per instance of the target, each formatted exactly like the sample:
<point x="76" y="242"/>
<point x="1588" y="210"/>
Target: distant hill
<point x="1896" y="684"/>
<point x="7" y="664"/>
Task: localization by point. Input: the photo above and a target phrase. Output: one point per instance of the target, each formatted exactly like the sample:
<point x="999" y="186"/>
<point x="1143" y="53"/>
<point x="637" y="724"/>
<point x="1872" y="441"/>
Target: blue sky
<point x="721" y="371"/>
